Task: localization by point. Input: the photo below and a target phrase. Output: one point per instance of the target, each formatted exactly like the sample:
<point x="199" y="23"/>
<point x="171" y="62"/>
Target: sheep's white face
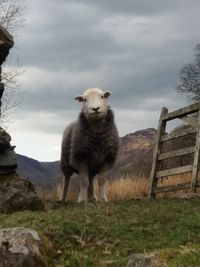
<point x="95" y="104"/>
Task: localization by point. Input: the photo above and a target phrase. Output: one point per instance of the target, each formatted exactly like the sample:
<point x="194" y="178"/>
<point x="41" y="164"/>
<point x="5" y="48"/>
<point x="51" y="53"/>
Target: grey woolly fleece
<point x="90" y="144"/>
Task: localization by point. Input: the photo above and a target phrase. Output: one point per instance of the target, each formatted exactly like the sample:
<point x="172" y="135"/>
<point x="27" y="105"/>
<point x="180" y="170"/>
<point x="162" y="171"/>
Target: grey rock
<point x="21" y="247"/>
<point x="8" y="158"/>
<point x="140" y="260"/>
<point x="6" y="42"/>
<point x="5" y="139"/>
<point x="8" y="161"/>
<point x="17" y="194"/>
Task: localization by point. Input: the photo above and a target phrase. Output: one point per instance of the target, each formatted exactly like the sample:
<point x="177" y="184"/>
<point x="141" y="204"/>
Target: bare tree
<point x="11" y="15"/>
<point x="190" y="78"/>
<point x="12" y="18"/>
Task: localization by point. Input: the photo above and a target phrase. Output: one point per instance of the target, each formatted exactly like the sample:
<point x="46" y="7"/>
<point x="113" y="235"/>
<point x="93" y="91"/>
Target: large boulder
<point x="22" y="247"/>
<point x="17" y="194"/>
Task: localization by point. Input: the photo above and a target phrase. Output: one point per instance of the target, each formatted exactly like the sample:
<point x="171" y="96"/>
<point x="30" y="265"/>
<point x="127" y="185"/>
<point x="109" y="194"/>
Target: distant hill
<point x="134" y="158"/>
<point x="135" y="154"/>
<point x="43" y="174"/>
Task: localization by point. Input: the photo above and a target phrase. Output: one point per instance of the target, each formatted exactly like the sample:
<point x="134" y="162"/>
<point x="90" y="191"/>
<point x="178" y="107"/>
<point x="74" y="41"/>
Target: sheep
<point x="90" y="145"/>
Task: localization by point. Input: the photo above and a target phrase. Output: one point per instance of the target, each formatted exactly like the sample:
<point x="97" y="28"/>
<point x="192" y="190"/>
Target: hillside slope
<point x="135" y="154"/>
<point x="42" y="174"/>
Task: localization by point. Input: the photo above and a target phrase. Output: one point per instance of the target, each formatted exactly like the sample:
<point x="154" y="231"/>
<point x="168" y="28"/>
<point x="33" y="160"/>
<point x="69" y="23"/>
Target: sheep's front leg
<point x="67" y="175"/>
<point x="83" y="195"/>
<point x="102" y="189"/>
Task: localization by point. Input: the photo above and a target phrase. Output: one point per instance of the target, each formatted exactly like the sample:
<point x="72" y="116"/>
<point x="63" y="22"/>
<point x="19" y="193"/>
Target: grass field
<point x="105" y="234"/>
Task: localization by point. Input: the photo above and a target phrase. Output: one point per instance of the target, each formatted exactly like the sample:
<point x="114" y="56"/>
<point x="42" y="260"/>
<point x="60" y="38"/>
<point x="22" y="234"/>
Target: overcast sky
<point x="133" y="48"/>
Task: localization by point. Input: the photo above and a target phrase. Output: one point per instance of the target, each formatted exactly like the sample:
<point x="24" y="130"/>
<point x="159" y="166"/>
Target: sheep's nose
<point x="96" y="109"/>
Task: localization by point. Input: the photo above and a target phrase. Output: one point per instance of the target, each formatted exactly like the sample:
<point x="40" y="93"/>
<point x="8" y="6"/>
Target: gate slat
<point x="174" y="171"/>
<point x="176" y="153"/>
<point x="182" y="112"/>
<point x="169" y="188"/>
<point x="167" y="137"/>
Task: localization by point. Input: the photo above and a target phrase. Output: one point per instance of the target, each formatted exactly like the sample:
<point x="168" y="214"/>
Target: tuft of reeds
<point x="128" y="188"/>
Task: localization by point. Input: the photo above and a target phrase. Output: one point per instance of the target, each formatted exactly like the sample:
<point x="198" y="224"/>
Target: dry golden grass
<point x="175" y="179"/>
<point x="123" y="188"/>
<point x="55" y="194"/>
<point x="126" y="188"/>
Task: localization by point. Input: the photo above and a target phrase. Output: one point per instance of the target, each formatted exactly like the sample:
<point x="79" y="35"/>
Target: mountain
<point x="135" y="154"/>
<point x="134" y="158"/>
<point x="43" y="174"/>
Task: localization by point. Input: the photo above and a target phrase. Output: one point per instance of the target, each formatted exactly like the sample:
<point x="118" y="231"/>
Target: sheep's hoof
<point x="82" y="200"/>
<point x="92" y="199"/>
<point x="103" y="200"/>
<point x="62" y="202"/>
<point x="82" y="196"/>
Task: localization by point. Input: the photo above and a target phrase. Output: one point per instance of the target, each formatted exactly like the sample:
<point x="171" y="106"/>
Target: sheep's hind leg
<point x="83" y="195"/>
<point x="102" y="189"/>
<point x="91" y="192"/>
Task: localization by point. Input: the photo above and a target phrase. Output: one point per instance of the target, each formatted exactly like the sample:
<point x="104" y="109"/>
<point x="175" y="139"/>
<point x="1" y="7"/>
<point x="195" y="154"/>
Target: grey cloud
<point x="128" y="79"/>
<point x="74" y="35"/>
<point x="134" y="7"/>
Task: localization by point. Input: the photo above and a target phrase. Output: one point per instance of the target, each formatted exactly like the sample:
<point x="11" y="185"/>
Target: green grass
<point x="89" y="235"/>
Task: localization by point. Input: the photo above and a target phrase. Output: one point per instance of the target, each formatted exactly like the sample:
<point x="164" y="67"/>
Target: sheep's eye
<point x="85" y="99"/>
<point x="102" y="96"/>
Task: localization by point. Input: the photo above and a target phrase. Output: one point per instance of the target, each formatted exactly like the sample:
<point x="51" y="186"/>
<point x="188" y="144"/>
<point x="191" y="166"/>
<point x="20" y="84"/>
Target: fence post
<point x="196" y="158"/>
<point x="160" y="132"/>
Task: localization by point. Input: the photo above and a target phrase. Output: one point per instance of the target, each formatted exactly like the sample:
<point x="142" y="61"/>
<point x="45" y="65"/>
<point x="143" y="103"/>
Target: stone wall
<point x="8" y="160"/>
<point x="15" y="193"/>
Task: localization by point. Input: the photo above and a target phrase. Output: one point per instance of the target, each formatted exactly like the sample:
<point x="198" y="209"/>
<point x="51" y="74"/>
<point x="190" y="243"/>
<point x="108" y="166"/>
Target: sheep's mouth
<point x="96" y="113"/>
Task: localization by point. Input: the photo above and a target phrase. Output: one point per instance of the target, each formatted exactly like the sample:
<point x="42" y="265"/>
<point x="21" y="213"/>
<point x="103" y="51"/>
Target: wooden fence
<point x="159" y="156"/>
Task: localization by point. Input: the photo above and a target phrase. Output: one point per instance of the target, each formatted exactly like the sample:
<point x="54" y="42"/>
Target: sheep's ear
<point x="79" y="98"/>
<point x="107" y="94"/>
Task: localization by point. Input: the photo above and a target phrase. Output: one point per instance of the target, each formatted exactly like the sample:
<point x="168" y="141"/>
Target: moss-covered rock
<point x="17" y="194"/>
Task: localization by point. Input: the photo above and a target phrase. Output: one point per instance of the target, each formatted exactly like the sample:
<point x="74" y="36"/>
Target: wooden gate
<point x="159" y="156"/>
